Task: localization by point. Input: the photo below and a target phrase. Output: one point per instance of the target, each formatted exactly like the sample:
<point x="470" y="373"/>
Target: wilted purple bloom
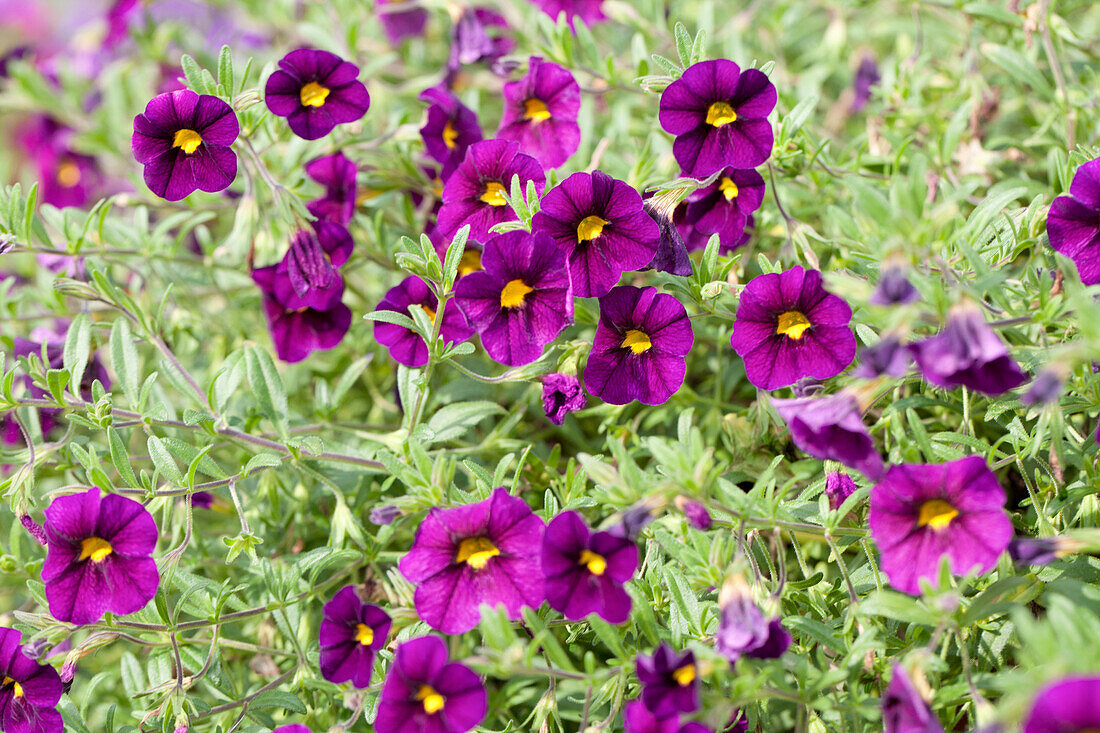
<point x="695" y="512"/>
<point x="337" y="174"/>
<point x="201" y="499"/>
<point x="316" y="91"/>
<point x="719" y="116"/>
<point x="351" y="633"/>
<point x="423" y="693"/>
<point x="585" y="570"/>
<point x="743" y="630"/>
<point x="638" y="719"/>
<point x="831" y="429"/>
<point x="1066" y="706"/>
<point x="540" y="113"/>
<point x="904" y="710"/>
<point x="450" y="129"/>
<point x="478" y="35"/>
<point x="838" y="487"/>
<point x="672" y="252"/>
<point x="183" y="141"/>
<point x="887" y="357"/>
<point x="670" y="684"/>
<point x="30" y="691"/>
<point x="725" y="207"/>
<point x="296" y="330"/>
<point x="866" y="77"/>
<point x="561" y="394"/>
<point x="1046" y="387"/>
<point x="65" y="177"/>
<point x="98" y="556"/>
<point x="475" y="192"/>
<point x="401" y="24"/>
<point x="894" y="288"/>
<point x="1040" y="550"/>
<point x="788" y="327"/>
<point x="382" y="515"/>
<point x="598" y="221"/>
<point x="590" y="11"/>
<point x="967" y="353"/>
<point x="479" y="553"/>
<point x="923" y="512"/>
<point x="34" y="529"/>
<point x="405" y="345"/>
<point x="1073" y="224"/>
<point x="306" y="277"/>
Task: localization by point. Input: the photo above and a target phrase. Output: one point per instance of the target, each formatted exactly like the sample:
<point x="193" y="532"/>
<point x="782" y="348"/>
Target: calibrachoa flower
<point x="474" y="194"/>
<point x="450" y="129"/>
<point x="922" y="512"/>
<point x="405" y="345"/>
<point x="293" y="728"/>
<point x="590" y="11"/>
<point x="30" y="691"/>
<point x="306" y="277"/>
<point x="725" y="207"/>
<point x="337" y="174"/>
<point x="424" y="693"/>
<point x="478" y="35"/>
<point x="316" y="91"/>
<point x="183" y="141"/>
<point x="669" y="682"/>
<point x="561" y="394"/>
<point x="1041" y="550"/>
<point x="838" y="487"/>
<point x="695" y="512"/>
<point x="672" y="252"/>
<point x="889" y="356"/>
<point x="638" y="719"/>
<point x="401" y="24"/>
<point x="831" y="429"/>
<point x="789" y="327"/>
<point x="1067" y="706"/>
<point x="719" y="117"/>
<point x="98" y="556"/>
<point x="1073" y="224"/>
<point x="1046" y="387"/>
<point x="867" y="76"/>
<point x="893" y="287"/>
<point x="479" y="553"/>
<point x="641" y="341"/>
<point x="585" y="570"/>
<point x="967" y="353"/>
<point x="351" y="633"/>
<point x="297" y="330"/>
<point x="904" y="710"/>
<point x="743" y="630"/>
<point x="540" y="113"/>
<point x="599" y="222"/>
<point x="65" y="177"/>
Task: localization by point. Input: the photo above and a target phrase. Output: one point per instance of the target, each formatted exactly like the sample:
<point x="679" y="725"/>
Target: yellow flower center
<point x="16" y="689"/>
<point x="470" y="262"/>
<point x="936" y="514"/>
<point x="513" y="294"/>
<point x="188" y="140"/>
<point x="95" y="548"/>
<point x="728" y="188"/>
<point x="432" y="700"/>
<point x="313" y="94"/>
<point x="494" y="194"/>
<point x="475" y="552"/>
<point x="535" y="110"/>
<point x="685" y="675"/>
<point x="68" y="174"/>
<point x="792" y="324"/>
<point x="364" y="634"/>
<point x="596" y="564"/>
<point x="590" y="228"/>
<point x="636" y="341"/>
<point x="720" y="113"/>
<point x="450" y="134"/>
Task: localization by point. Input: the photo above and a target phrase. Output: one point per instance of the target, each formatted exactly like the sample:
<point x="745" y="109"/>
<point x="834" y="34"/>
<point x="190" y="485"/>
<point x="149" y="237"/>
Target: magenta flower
<point x="638" y="719"/>
<point x="450" y="129"/>
<point x="469" y="555"/>
<point x="183" y="141"/>
<point x="672" y="252"/>
<point x="561" y="394"/>
<point x="30" y="691"/>
<point x="424" y="693"/>
<point x="1041" y="550"/>
<point x="696" y="513"/>
<point x="923" y="512"/>
<point x="585" y="570"/>
<point x="789" y="327"/>
<point x="401" y="24"/>
<point x="478" y="35"/>
<point x="838" y="487"/>
<point x="639" y="351"/>
<point x="475" y="192"/>
<point x="306" y="277"/>
<point x="337" y="174"/>
<point x="590" y="11"/>
<point x="65" y="177"/>
<point x="670" y="685"/>
<point x="967" y="353"/>
<point x="831" y="429"/>
<point x="298" y="330"/>
<point x="1073" y="224"/>
<point x="540" y="113"/>
<point x="719" y="117"/>
<point x="599" y="222"/>
<point x="292" y="728"/>
<point x="889" y="356"/>
<point x="904" y="710"/>
<point x="1067" y="706"/>
<point x="893" y="287"/>
<point x="98" y="556"/>
<point x="867" y="76"/>
<point x="743" y="630"/>
<point x="316" y="91"/>
<point x="405" y="345"/>
<point x="726" y="206"/>
<point x="351" y="633"/>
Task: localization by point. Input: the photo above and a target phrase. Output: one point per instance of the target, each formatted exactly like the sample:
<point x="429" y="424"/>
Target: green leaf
<point x="261" y="460"/>
<point x="77" y="349"/>
<point x="164" y="462"/>
<point x="453" y="420"/>
<point x="120" y="459"/>
<point x="684" y="44"/>
<point x="124" y="359"/>
<point x="225" y="69"/>
<point x="387" y="316"/>
<point x="193" y="72"/>
<point x="278" y="700"/>
<point x="267" y="387"/>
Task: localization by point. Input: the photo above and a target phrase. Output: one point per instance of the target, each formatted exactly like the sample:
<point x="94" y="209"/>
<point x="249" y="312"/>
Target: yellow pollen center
<point x="313" y="94"/>
<point x="596" y="564"/>
<point x="95" y="548"/>
<point x="68" y="174"/>
<point x="364" y="634"/>
<point x="494" y="194"/>
<point x="590" y="228"/>
<point x="450" y="134"/>
<point x="792" y="324"/>
<point x="432" y="700"/>
<point x="728" y="188"/>
<point x="16" y="689"/>
<point x="720" y="113"/>
<point x="470" y="262"/>
<point x="685" y="675"/>
<point x="513" y="294"/>
<point x="535" y="110"/>
<point x="936" y="514"/>
<point x="475" y="552"/>
<point x="636" y="341"/>
<point x="188" y="140"/>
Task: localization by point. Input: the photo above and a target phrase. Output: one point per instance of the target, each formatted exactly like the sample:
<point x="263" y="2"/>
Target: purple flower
<point x="423" y="693"/>
<point x="1073" y="224"/>
<point x="469" y="555"/>
<point x="1045" y="388"/>
<point x="904" y="710"/>
<point x="201" y="499"/>
<point x="65" y="177"/>
<point x="292" y="728"/>
<point x="633" y="520"/>
<point x="561" y="394"/>
<point x="306" y="277"/>
<point x="894" y="288"/>
<point x="695" y="512"/>
<point x="967" y="353"/>
<point x="672" y="252"/>
<point x="726" y="206"/>
<point x="474" y="194"/>
<point x="540" y="113"/>
<point x="98" y="556"/>
<point x="401" y="24"/>
<point x="299" y="330"/>
<point x="30" y="691"/>
<point x="183" y="141"/>
<point x="719" y="117"/>
<point x="585" y="570"/>
<point x="866" y="77"/>
<point x="670" y="685"/>
<point x="590" y="11"/>
<point x="831" y="429"/>
<point x="599" y="222"/>
<point x="638" y="719"/>
<point x="450" y="129"/>
<point x="1041" y="550"/>
<point x="406" y="346"/>
<point x="351" y="633"/>
<point x="521" y="299"/>
<point x="888" y="357"/>
<point x="788" y="327"/>
<point x="639" y="350"/>
<point x="923" y="512"/>
<point x="478" y="35"/>
<point x="743" y="630"/>
<point x="337" y="174"/>
<point x="316" y="91"/>
<point x="1066" y="706"/>
<point x="838" y="487"/>
<point x="381" y="515"/>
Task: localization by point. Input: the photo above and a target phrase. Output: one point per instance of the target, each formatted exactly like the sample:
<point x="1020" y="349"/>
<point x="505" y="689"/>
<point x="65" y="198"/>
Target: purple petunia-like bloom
<point x="1066" y="706"/>
<point x="726" y="206"/>
<point x="337" y="174"/>
<point x="637" y="718"/>
<point x="183" y="141"/>
<point x="351" y="634"/>
<point x="904" y="710"/>
<point x="889" y="356"/>
<point x="426" y="693"/>
<point x="669" y="682"/>
<point x="449" y="130"/>
<point x="401" y="24"/>
<point x="540" y="113"/>
<point x="479" y="553"/>
<point x="561" y="394"/>
<point x="838" y="487"/>
<point x="831" y="429"/>
<point x="590" y="11"/>
<point x="639" y="350"/>
<point x="672" y="251"/>
<point x="475" y="192"/>
<point x="696" y="513"/>
<point x="522" y="297"/>
<point x="65" y="177"/>
<point x="478" y="35"/>
<point x="867" y="76"/>
<point x="30" y="691"/>
<point x="789" y="327"/>
<point x="923" y="512"/>
<point x="599" y="222"/>
<point x="893" y="287"/>
<point x="299" y="330"/>
<point x="307" y="275"/>
<point x="719" y="115"/>
<point x="1073" y="224"/>
<point x="292" y="728"/>
<point x="585" y="570"/>
<point x="98" y="556"/>
<point x="406" y="346"/>
<point x="743" y="630"/>
<point x="967" y="353"/>
<point x="316" y="91"/>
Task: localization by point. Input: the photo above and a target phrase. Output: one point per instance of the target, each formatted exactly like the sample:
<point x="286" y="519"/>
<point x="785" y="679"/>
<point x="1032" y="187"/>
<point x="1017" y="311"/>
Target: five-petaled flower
<point x="742" y="628"/>
<point x="426" y="693"/>
<point x="725" y="207"/>
<point x="407" y="346"/>
<point x="589" y="11"/>
<point x="352" y="631"/>
<point x="316" y="91"/>
<point x="904" y="710"/>
<point x="540" y="113"/>
<point x="29" y="691"/>
<point x="831" y="428"/>
<point x="1066" y="706"/>
<point x="585" y="570"/>
<point x="449" y="130"/>
<point x="337" y="174"/>
<point x="1073" y="224"/>
<point x="296" y="329"/>
<point x="670" y="682"/>
<point x="637" y="718"/>
<point x="475" y="192"/>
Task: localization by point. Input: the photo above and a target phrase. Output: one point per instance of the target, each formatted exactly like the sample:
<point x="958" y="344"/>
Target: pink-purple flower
<point x="743" y="630"/>
<point x="401" y="24"/>
<point x="337" y="174"/>
<point x="670" y="682"/>
<point x="316" y="91"/>
<point x="425" y="692"/>
<point x="967" y="353"/>
<point x="475" y="192"/>
<point x="449" y="130"/>
<point x="831" y="429"/>
<point x="1066" y="706"/>
<point x="296" y="329"/>
<point x="540" y="113"/>
<point x="1073" y="224"/>
<point x="30" y="691"/>
<point x="405" y="345"/>
<point x="352" y="632"/>
<point x="585" y="570"/>
<point x="590" y="11"/>
<point x="561" y="394"/>
<point x="838" y="487"/>
<point x="479" y="34"/>
<point x="725" y="207"/>
<point x="904" y="710"/>
<point x="637" y="718"/>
